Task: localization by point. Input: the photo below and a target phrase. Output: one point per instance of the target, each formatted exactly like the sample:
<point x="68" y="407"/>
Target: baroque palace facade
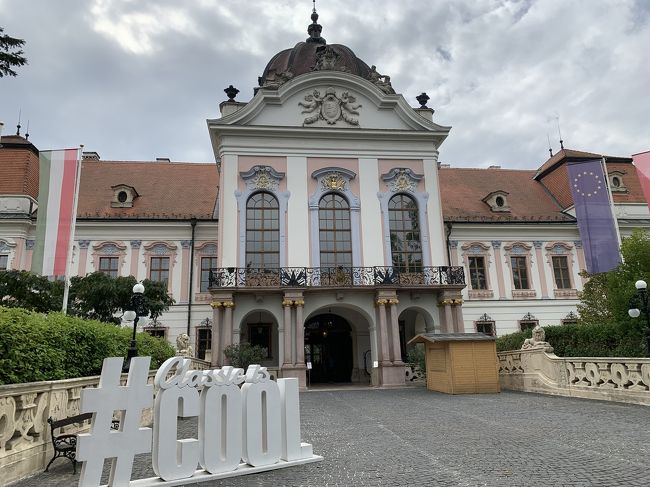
<point x="327" y="231"/>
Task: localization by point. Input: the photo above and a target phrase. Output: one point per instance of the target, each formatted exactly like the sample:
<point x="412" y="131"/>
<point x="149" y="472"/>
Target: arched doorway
<point x="328" y="346"/>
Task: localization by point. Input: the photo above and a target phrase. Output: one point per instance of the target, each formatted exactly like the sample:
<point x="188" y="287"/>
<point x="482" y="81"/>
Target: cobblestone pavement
<point x="416" y="437"/>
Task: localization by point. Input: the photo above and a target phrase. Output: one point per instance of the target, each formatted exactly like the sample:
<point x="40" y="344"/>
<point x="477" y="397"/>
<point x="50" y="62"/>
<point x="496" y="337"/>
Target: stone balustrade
<point x="604" y="378"/>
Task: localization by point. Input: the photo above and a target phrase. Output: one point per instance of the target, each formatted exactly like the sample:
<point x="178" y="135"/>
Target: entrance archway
<point x="328" y="346"/>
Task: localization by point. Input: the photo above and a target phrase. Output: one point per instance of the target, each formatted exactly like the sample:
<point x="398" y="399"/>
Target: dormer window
<point x="616" y="183"/>
<point x="497" y="201"/>
<point x="123" y="196"/>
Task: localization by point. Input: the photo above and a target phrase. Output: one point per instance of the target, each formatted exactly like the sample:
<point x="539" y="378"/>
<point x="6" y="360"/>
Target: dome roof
<point x="316" y="55"/>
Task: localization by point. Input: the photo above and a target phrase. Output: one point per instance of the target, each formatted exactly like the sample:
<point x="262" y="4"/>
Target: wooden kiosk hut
<point x="460" y="363"/>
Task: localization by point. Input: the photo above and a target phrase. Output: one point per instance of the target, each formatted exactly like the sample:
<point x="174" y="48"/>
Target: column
<point x="83" y="257"/>
<point x="300" y="333"/>
<point x="286" y="304"/>
<point x="227" y="325"/>
<point x="496" y="245"/>
<point x="135" y="257"/>
<point x="215" y="344"/>
<point x="459" y="323"/>
<point x="540" y="265"/>
<point x="582" y="263"/>
<point x="29" y="250"/>
<point x="383" y="333"/>
<point x="396" y="356"/>
<point x="185" y="270"/>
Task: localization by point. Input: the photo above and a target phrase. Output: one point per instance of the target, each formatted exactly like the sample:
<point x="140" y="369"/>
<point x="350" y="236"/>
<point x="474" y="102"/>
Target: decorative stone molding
<point x="497" y="201"/>
<point x="331" y="108"/>
<point x="520" y="249"/>
<point x="29" y="244"/>
<point x="624" y="380"/>
<point x="161" y="249"/>
<point x="496" y="244"/>
<point x="262" y="178"/>
<point x="186" y="244"/>
<point x="381" y="81"/>
<point x="123" y="196"/>
<point x="83" y="244"/>
<point x="478" y="249"/>
<point x="562" y="249"/>
<point x="400" y="180"/>
<point x="135" y="244"/>
<point x="327" y="59"/>
<point x="9" y="248"/>
<point x="108" y="249"/>
<point x="616" y="182"/>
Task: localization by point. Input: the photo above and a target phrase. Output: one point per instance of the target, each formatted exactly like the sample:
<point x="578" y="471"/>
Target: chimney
<point x="90" y="156"/>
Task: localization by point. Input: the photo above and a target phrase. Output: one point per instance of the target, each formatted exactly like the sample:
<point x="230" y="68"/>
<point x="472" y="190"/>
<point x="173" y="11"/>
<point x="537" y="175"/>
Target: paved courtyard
<point x="420" y="438"/>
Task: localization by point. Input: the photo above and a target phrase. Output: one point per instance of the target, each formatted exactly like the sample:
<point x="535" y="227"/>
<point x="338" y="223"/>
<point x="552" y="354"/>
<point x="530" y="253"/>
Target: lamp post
<point x="641" y="305"/>
<point x="137" y="309"/>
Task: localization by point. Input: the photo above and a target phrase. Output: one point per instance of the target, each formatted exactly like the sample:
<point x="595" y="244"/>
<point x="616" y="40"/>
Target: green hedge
<point x="599" y="340"/>
<point x="36" y="347"/>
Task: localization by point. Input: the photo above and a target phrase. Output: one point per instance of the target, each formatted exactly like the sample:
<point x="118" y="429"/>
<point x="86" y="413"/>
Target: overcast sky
<point x="136" y="79"/>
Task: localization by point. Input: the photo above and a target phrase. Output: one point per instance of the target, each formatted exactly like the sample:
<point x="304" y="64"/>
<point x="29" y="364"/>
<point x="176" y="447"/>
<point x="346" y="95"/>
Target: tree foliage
<point x="37" y="346"/>
<point x="607" y="296"/>
<point x="11" y="54"/>
<point x="244" y="354"/>
<point x="96" y="296"/>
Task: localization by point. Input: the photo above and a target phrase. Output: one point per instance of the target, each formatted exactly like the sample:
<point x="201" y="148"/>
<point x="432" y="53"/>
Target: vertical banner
<point x="642" y="164"/>
<point x="56" y="194"/>
<point x="594" y="213"/>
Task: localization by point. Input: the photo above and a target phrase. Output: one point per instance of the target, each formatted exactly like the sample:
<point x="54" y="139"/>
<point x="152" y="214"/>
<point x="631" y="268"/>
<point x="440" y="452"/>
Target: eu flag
<point x="594" y="213"/>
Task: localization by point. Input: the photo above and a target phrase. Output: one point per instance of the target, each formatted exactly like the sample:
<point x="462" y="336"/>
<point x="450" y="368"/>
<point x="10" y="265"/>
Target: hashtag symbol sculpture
<point x="101" y="442"/>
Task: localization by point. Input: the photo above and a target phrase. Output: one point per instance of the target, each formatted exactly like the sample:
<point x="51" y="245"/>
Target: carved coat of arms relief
<point x="330" y="107"/>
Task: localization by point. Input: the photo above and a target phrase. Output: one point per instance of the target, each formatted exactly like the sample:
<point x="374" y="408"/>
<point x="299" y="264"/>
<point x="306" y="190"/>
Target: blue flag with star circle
<point x="594" y="214"/>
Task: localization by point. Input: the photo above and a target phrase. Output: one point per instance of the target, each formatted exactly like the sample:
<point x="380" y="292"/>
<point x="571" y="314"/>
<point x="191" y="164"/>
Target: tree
<point x="22" y="289"/>
<point x="102" y="297"/>
<point x="244" y="354"/>
<point x="10" y="54"/>
<point x="607" y="296"/>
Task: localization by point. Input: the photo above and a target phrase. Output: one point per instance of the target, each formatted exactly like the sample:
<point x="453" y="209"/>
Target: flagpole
<point x="611" y="206"/>
<point x="68" y="264"/>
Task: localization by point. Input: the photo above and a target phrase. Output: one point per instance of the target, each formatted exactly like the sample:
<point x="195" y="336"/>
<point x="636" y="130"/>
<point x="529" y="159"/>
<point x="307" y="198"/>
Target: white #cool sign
<point x="241" y="430"/>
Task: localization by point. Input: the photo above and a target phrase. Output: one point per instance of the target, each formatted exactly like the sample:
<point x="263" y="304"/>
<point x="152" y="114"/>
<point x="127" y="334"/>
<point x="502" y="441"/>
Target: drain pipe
<point x="189" y="302"/>
<point x="448" y="227"/>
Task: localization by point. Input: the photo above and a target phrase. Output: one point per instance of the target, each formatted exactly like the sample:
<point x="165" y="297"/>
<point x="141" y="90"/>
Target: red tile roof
<point x="166" y="190"/>
<point x="18" y="166"/>
<point x="462" y="191"/>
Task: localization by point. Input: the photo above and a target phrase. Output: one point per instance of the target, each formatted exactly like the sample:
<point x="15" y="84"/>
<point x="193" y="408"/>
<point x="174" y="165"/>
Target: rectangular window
<point x="207" y="263"/>
<point x="109" y="265"/>
<point x="203" y="343"/>
<point x="159" y="270"/>
<point x="260" y="334"/>
<point x="156" y="332"/>
<point x="477" y="273"/>
<point x="4" y="259"/>
<point x="519" y="272"/>
<point x="527" y="325"/>
<point x="486" y="327"/>
<point x="561" y="272"/>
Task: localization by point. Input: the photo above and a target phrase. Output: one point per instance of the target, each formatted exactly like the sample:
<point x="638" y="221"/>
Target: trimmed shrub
<point x="598" y="340"/>
<point x="416" y="358"/>
<point x="37" y="347"/>
<point x="244" y="354"/>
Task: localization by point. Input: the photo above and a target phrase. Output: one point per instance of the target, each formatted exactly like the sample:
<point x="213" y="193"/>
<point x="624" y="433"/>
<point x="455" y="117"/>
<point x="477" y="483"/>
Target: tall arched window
<point x="334" y="231"/>
<point x="262" y="231"/>
<point x="405" y="244"/>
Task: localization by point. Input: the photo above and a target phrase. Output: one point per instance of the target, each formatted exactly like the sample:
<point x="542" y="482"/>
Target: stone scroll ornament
<point x="330" y="107"/>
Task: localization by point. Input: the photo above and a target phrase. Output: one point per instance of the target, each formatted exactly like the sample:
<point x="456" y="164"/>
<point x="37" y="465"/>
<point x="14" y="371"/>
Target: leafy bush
<point x="416" y="358"/>
<point x="597" y="340"/>
<point x="244" y="354"/>
<point x="37" y="347"/>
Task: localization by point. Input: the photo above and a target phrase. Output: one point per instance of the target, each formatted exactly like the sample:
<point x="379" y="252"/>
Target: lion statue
<point x="183" y="347"/>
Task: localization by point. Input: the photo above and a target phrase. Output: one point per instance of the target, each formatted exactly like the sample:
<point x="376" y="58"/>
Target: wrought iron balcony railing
<point x="238" y="277"/>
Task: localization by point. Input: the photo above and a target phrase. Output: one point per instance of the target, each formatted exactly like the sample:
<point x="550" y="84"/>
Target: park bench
<point x="65" y="445"/>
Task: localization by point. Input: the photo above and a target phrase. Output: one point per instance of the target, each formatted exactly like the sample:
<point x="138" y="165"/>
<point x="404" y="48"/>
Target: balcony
<point x="334" y="277"/>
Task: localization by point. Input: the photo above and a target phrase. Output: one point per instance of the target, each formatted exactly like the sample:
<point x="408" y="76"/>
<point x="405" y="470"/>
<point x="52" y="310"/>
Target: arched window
<point x="405" y="245"/>
<point x="262" y="231"/>
<point x="334" y="231"/>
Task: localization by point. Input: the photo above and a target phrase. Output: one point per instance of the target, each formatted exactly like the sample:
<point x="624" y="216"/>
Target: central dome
<point x="316" y="55"/>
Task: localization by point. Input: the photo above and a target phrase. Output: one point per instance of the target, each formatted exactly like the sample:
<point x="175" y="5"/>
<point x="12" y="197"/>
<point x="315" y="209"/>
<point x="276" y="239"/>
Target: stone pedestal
<point x="298" y="372"/>
<point x="391" y="376"/>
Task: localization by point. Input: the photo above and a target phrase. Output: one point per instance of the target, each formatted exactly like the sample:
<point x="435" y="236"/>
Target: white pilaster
<point x="370" y="213"/>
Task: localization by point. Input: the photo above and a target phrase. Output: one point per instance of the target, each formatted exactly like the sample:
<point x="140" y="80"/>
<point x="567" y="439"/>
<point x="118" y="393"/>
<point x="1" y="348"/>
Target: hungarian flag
<point x="57" y="189"/>
<point x="594" y="214"/>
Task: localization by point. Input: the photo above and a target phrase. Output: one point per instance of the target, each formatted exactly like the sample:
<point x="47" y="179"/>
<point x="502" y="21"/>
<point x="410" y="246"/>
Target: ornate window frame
<point x="205" y="325"/>
<point x="333" y="180"/>
<point x="129" y="193"/>
<point x="485" y="319"/>
<point x="160" y="248"/>
<point x="478" y="249"/>
<point x="570" y="319"/>
<point x="9" y="249"/>
<point x="520" y="249"/>
<point x="404" y="180"/>
<point x="562" y="249"/>
<point x="205" y="249"/>
<point x="108" y="249"/>
<point x="616" y="188"/>
<point x="258" y="179"/>
<point x="528" y="322"/>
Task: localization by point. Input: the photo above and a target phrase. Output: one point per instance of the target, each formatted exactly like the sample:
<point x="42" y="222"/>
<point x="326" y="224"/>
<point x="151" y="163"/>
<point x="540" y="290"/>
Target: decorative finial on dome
<point x="315" y="28"/>
<point x="231" y="92"/>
